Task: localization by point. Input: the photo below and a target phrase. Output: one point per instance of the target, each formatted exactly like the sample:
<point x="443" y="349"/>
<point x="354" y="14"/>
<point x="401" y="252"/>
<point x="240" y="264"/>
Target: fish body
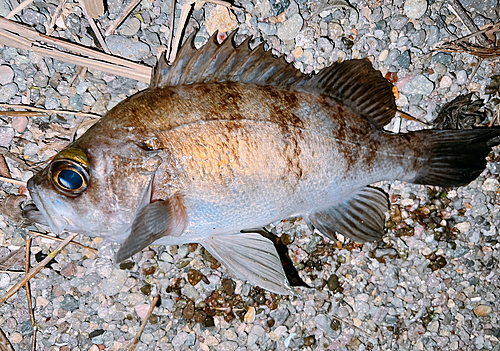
<point x="202" y="159"/>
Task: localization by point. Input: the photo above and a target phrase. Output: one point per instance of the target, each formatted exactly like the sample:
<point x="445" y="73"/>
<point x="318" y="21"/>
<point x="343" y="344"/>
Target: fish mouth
<point x="43" y="213"/>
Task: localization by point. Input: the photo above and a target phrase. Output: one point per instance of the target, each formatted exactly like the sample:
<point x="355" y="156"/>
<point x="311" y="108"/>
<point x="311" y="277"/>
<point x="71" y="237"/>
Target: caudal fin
<point x="453" y="157"/>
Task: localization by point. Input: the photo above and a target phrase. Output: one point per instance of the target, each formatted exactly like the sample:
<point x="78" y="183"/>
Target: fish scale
<point x="231" y="139"/>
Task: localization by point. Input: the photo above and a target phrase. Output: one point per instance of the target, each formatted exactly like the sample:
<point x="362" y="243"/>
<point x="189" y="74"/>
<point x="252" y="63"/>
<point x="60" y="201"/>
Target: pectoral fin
<point x="250" y="257"/>
<point x="154" y="221"/>
<point x="361" y="217"/>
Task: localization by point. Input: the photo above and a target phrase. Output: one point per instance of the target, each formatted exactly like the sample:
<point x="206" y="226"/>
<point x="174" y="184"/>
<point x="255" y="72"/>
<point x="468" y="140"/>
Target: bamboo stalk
<point x="37" y="268"/>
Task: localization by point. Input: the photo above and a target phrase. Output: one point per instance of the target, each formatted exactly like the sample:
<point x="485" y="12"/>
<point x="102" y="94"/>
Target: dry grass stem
<point x="21" y="114"/>
<point x="496" y="117"/>
<point x="178" y="34"/>
<point x="133" y="345"/>
<point x="116" y="23"/>
<point x="33" y="338"/>
<point x="18" y="8"/>
<point x="95" y="8"/>
<point x="4" y="342"/>
<point x="37" y="268"/>
<point x="96" y="30"/>
<point x="12" y="181"/>
<point x="55" y="16"/>
<point x="59" y="239"/>
<point x="23" y="164"/>
<point x="459" y="10"/>
<point x="21" y="37"/>
<point x="27" y="285"/>
<point x="48" y="112"/>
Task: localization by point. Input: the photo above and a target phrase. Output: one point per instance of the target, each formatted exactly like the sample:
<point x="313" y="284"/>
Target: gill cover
<point x="70" y="172"/>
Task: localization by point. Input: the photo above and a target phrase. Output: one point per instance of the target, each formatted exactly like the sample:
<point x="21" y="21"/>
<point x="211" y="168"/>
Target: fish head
<point x="94" y="187"/>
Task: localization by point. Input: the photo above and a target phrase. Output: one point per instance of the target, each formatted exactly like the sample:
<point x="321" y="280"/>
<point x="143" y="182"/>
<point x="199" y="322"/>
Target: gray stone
<point x="267" y="28"/>
<point x="73" y="24"/>
<point x="433" y="36"/>
<point x="462" y="77"/>
<point x="442" y="58"/>
<point x="69" y="303"/>
<point x="398" y="22"/>
<point x="404" y="60"/>
<point x="4" y="8"/>
<point x="227" y="346"/>
<point x="280" y="315"/>
<point x="6" y="135"/>
<point x="127" y="48"/>
<point x="32" y="17"/>
<point x="31" y="149"/>
<point x="130" y="27"/>
<point x="8" y="91"/>
<point x="179" y="339"/>
<point x="76" y="102"/>
<point x="419" y="85"/>
<point x="324" y="47"/>
<point x="291" y="27"/>
<point x="418" y="38"/>
<point x="415" y="8"/>
<point x="278" y="6"/>
<point x="6" y="74"/>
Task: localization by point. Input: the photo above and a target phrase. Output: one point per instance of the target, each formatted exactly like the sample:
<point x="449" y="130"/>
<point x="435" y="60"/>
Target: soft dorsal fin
<point x="355" y="83"/>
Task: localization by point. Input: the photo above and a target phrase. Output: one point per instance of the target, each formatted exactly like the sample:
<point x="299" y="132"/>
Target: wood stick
<point x="54" y="238"/>
<point x="48" y="111"/>
<point x="18" y="36"/>
<point x="55" y="16"/>
<point x="116" y="23"/>
<point x="27" y="285"/>
<point x="135" y="341"/>
<point x="459" y="10"/>
<point x="37" y="268"/>
<point x="96" y="30"/>
<point x="95" y="8"/>
<point x="18" y="8"/>
<point x="12" y="181"/>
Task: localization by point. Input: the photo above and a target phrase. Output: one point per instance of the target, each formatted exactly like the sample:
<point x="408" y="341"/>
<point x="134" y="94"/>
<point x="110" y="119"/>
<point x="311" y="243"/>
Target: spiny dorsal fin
<point x="355" y="83"/>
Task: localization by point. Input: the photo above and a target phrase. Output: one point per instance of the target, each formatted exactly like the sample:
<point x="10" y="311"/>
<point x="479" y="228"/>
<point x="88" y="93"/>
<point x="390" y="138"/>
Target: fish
<point x="228" y="139"/>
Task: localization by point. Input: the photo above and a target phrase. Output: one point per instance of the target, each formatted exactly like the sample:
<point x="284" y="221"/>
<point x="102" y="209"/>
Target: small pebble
<point x="6" y="74"/>
<point x="130" y="27"/>
<point x="415" y="9"/>
<point x="483" y="310"/>
<point x="194" y="276"/>
<point x="8" y="91"/>
<point x="290" y="28"/>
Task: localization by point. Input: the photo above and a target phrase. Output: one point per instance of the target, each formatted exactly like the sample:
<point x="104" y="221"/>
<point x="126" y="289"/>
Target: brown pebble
<point x="128" y="265"/>
<point x="395" y="214"/>
<point x="148" y="268"/>
<point x="286" y="239"/>
<point x="483" y="310"/>
<point x="69" y="270"/>
<point x="270" y="322"/>
<point x="199" y="316"/>
<point x="192" y="247"/>
<point x="194" y="276"/>
<point x="210" y="311"/>
<point x="146" y="289"/>
<point x="309" y="340"/>
<point x="209" y="322"/>
<point x="228" y="285"/>
<point x="188" y="311"/>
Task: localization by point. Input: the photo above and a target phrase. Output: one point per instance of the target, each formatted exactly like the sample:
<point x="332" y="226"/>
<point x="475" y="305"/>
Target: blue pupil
<point x="70" y="179"/>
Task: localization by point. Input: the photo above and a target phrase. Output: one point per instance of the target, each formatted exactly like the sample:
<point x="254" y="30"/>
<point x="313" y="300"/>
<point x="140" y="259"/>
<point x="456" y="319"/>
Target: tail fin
<point x="453" y="157"/>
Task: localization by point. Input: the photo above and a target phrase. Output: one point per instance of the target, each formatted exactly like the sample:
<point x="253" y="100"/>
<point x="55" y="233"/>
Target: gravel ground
<point x="431" y="284"/>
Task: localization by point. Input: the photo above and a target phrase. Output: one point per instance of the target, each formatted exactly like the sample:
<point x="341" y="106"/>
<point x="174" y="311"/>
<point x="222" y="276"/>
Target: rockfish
<point x="230" y="139"/>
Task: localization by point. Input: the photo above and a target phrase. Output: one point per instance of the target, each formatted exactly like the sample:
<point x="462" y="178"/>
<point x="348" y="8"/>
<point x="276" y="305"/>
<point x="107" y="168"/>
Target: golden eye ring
<point x="69" y="172"/>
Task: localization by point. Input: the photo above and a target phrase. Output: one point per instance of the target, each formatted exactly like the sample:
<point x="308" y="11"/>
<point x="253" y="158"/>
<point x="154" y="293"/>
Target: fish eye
<point x="69" y="172"/>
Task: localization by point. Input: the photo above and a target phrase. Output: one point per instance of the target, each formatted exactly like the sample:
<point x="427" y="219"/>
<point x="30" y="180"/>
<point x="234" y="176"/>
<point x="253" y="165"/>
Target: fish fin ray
<point x="450" y="158"/>
<point x="361" y="217"/>
<point x="354" y="83"/>
<point x="152" y="222"/>
<point x="252" y="257"/>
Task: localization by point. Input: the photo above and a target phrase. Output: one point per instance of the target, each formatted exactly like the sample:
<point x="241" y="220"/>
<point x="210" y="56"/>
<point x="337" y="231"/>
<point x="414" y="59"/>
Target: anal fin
<point x="250" y="257"/>
<point x="361" y="217"/>
<point x="154" y="221"/>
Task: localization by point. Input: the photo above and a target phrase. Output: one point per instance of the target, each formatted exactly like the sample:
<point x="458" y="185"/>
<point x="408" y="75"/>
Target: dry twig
<point x="18" y="8"/>
<point x="21" y="37"/>
<point x="55" y="16"/>
<point x="27" y="285"/>
<point x="37" y="268"/>
<point x="95" y="8"/>
<point x="45" y="236"/>
<point x="4" y="342"/>
<point x="96" y="30"/>
<point x="116" y="23"/>
<point x="47" y="112"/>
<point x="133" y="345"/>
<point x="12" y="181"/>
